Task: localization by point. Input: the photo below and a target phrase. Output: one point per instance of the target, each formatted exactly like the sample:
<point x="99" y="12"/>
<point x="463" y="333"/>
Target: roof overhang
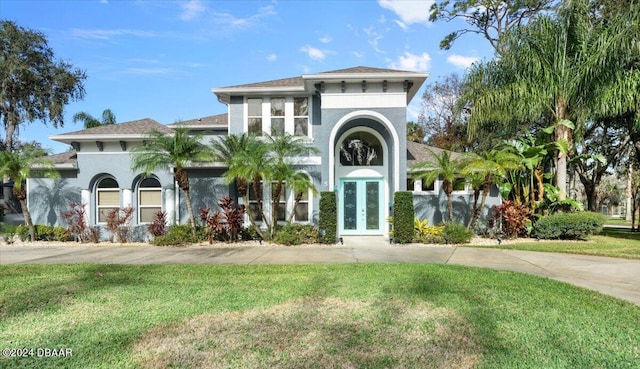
<point x="104" y="137"/>
<point x="224" y="94"/>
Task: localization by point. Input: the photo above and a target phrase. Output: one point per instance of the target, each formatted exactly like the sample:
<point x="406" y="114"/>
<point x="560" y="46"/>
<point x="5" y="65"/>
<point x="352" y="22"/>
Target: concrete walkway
<point x="616" y="277"/>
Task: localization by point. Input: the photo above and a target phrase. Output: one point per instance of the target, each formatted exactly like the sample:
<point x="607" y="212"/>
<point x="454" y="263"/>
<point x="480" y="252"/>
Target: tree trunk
<point x="448" y="190"/>
<point x="21" y="195"/>
<point x="474" y="212"/>
<point x="562" y="133"/>
<point x="275" y="202"/>
<point x="295" y="206"/>
<point x="485" y="192"/>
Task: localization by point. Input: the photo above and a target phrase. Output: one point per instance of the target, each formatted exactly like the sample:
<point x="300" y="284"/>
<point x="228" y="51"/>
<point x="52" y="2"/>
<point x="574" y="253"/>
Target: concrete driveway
<point x="615" y="277"/>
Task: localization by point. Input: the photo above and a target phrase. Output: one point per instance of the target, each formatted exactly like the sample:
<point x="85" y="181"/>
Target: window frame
<point x="99" y="190"/>
<point x="259" y="117"/>
<point x="141" y="206"/>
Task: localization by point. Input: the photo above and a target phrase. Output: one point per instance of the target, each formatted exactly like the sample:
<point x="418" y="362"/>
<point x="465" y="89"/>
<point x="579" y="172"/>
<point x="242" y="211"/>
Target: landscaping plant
<point x="569" y="226"/>
<point x="118" y="223"/>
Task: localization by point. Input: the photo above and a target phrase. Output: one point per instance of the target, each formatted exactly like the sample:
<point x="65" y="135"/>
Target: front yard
<point x="345" y="315"/>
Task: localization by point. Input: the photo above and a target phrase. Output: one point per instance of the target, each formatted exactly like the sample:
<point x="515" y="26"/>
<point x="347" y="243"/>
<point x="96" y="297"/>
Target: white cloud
<point x="313" y="53"/>
<point x="412" y="62"/>
<point x="325" y="39"/>
<point x="357" y="54"/>
<point x="272" y="57"/>
<point x="374" y="37"/>
<point x="230" y="20"/>
<point x="192" y="9"/>
<point x="106" y="34"/>
<point x="409" y="11"/>
<point x="461" y="61"/>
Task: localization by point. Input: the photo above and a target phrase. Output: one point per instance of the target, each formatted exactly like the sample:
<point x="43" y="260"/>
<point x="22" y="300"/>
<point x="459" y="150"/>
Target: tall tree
<point x="20" y="165"/>
<point x="489" y="18"/>
<point x="162" y="151"/>
<point x="415" y="132"/>
<point x="562" y="68"/>
<point x="90" y="121"/>
<point x="33" y="84"/>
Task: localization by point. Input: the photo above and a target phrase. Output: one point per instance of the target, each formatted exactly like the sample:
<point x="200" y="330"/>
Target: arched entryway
<point x="363" y="166"/>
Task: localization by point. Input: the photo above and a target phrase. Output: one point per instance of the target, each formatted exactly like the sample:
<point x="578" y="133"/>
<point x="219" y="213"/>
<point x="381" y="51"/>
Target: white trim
<point x="381" y="119"/>
<point x="364" y="100"/>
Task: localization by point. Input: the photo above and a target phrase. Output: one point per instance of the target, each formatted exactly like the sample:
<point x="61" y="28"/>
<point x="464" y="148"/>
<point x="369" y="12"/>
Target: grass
<point x="342" y="315"/>
<point x="612" y="242"/>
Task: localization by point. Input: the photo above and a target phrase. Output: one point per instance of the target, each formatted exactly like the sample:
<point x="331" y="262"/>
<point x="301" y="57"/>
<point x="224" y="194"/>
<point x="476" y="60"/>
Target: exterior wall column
<point x="85" y="200"/>
<point x="127" y="197"/>
<point x="170" y="205"/>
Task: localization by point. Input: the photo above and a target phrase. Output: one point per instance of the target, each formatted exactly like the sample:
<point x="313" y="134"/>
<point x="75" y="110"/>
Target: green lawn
<point x="612" y="242"/>
<point x="343" y="315"/>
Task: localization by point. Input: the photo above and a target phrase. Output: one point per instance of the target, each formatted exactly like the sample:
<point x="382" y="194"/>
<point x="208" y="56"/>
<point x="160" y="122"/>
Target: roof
<point x="419" y="152"/>
<point x="214" y="121"/>
<point x="306" y="82"/>
<point x="120" y="131"/>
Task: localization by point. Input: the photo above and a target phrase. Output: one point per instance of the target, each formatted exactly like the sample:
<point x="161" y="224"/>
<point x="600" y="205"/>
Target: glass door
<point x="360" y="210"/>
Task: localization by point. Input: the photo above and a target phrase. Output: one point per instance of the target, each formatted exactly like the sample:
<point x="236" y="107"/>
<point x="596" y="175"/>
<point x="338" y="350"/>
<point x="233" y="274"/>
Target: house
<point x="356" y="117"/>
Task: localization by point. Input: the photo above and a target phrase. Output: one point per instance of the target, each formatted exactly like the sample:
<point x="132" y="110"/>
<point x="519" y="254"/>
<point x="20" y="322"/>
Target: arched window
<point x="107" y="198"/>
<point x="361" y="149"/>
<point x="149" y="200"/>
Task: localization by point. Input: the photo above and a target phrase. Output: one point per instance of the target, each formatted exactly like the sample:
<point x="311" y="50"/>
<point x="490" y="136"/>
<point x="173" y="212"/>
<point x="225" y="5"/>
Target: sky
<point x="160" y="59"/>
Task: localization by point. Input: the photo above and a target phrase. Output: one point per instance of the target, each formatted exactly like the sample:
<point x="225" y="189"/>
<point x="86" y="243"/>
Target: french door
<point x="360" y="207"/>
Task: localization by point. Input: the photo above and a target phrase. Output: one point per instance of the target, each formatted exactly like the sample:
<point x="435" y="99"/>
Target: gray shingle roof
<point x="284" y="82"/>
<point x="69" y="157"/>
<point x="136" y="127"/>
<point x="364" y="70"/>
<point x="418" y="152"/>
<point x="220" y="120"/>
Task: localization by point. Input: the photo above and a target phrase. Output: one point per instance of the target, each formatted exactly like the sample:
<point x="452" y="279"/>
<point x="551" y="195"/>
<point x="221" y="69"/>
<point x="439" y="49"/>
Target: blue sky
<point x="160" y="59"/>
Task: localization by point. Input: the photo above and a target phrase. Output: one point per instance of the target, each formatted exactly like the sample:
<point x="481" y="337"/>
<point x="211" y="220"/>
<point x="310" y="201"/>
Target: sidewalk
<point x="616" y="277"/>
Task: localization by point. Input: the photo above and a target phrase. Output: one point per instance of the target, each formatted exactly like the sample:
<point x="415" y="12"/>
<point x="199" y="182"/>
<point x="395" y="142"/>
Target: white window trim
<point x="97" y="199"/>
<point x="289" y="118"/>
<point x="140" y="206"/>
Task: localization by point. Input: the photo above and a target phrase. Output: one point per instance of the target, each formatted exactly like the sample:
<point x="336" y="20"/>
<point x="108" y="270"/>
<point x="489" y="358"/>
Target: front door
<point x="360" y="207"/>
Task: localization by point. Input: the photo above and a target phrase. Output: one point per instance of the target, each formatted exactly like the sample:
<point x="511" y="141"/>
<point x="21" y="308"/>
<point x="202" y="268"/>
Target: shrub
<point x="425" y="233"/>
<point x="569" y="226"/>
<point x="43" y="233"/>
<point x="76" y="225"/>
<point x="295" y="234"/>
<point x="225" y="225"/>
<point x="456" y="233"/>
<point x="403" y="216"/>
<point x="328" y="221"/>
<point x="8" y="232"/>
<point x="179" y="234"/>
<point x="158" y="226"/>
<point x="515" y="218"/>
<point x="118" y="223"/>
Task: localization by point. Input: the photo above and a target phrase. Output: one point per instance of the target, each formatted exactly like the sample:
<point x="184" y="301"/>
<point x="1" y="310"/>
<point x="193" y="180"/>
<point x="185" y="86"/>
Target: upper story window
<point x="277" y="116"/>
<point x="255" y="116"/>
<point x="301" y="116"/>
<point x="107" y="198"/>
<point x="361" y="149"/>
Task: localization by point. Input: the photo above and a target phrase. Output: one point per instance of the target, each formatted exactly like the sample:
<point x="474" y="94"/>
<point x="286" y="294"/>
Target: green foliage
<point x="425" y="233"/>
<point x="403" y="217"/>
<point x="295" y="234"/>
<point x="180" y="234"/>
<point x="456" y="233"/>
<point x="43" y="233"/>
<point x="8" y="232"/>
<point x="328" y="221"/>
<point x="569" y="226"/>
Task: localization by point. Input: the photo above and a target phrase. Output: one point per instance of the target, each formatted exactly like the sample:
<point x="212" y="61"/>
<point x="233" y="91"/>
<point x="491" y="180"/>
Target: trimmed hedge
<point x="456" y="233"/>
<point x="569" y="226"/>
<point x="328" y="221"/>
<point x="295" y="234"/>
<point x="43" y="233"/>
<point x="403" y="217"/>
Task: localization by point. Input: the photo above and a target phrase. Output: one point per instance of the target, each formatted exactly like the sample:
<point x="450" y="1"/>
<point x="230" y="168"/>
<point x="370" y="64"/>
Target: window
<point x="255" y="116"/>
<point x="253" y="202"/>
<point x="277" y="116"/>
<point x="410" y="184"/>
<point x="149" y="200"/>
<point x="300" y="116"/>
<point x="107" y="198"/>
<point x="282" y="202"/>
<point x="302" y="210"/>
<point x="459" y="184"/>
<point x="428" y="187"/>
<point x="361" y="149"/>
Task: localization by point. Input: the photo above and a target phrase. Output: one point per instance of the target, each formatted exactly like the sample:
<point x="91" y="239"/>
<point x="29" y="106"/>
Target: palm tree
<point x="492" y="166"/>
<point x="563" y="68"/>
<point x="299" y="184"/>
<point x="19" y="166"/>
<point x="160" y="151"/>
<point x="441" y="166"/>
<point x="90" y="121"/>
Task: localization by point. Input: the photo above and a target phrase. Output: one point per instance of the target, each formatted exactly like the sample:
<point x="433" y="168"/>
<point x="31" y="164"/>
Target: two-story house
<point x="355" y="117"/>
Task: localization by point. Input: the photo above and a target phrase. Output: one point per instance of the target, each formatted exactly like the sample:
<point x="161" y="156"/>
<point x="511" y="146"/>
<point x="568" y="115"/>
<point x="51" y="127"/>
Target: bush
<point x="43" y="233"/>
<point x="569" y="226"/>
<point x="295" y="234"/>
<point x="328" y="221"/>
<point x="456" y="233"/>
<point x="8" y="232"/>
<point x="515" y="218"/>
<point x="158" y="226"/>
<point x="179" y="234"/>
<point x="425" y="233"/>
<point x="76" y="225"/>
<point x="403" y="215"/>
<point x="118" y="223"/>
<point x="225" y="225"/>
